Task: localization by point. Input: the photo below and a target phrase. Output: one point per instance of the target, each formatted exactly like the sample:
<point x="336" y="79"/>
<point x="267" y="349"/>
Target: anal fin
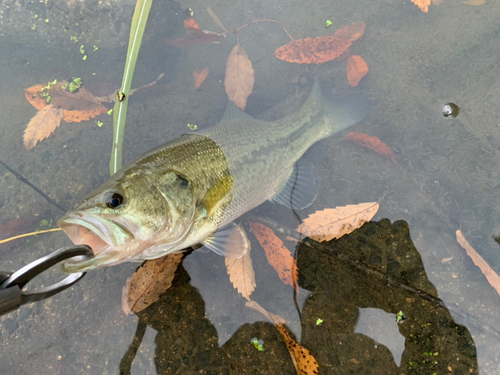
<point x="301" y="188"/>
<point x="230" y="241"/>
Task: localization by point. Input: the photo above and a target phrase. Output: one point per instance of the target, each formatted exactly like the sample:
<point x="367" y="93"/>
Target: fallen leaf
<point x="77" y="106"/>
<point x="351" y="32"/>
<point x="42" y="125"/>
<point x="478" y="260"/>
<point x="313" y="51"/>
<point x="197" y="35"/>
<point x="33" y="98"/>
<point x="277" y="254"/>
<point x="191" y="25"/>
<point x="474" y="3"/>
<point x="215" y="18"/>
<point x="357" y="68"/>
<point x="275" y="319"/>
<point x="239" y="77"/>
<point x="149" y="282"/>
<point x="304" y="362"/>
<point x="241" y="274"/>
<point x="333" y="223"/>
<point x="371" y="142"/>
<point x="199" y="77"/>
<point x="422" y="4"/>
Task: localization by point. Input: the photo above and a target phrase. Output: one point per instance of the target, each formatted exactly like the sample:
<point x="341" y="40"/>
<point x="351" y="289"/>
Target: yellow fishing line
<point x="29" y="234"/>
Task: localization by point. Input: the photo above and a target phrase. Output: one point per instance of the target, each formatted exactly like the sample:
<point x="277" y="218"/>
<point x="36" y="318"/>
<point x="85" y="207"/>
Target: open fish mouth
<point x="106" y="238"/>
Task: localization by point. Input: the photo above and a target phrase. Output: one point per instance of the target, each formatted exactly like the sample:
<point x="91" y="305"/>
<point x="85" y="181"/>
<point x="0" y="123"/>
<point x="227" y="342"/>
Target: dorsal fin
<point x="233" y="113"/>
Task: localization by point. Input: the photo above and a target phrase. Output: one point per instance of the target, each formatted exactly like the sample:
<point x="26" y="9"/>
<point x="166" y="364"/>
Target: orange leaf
<point x="313" y="51"/>
<point x="200" y="77"/>
<point x="277" y="254"/>
<point x="42" y="125"/>
<point x="33" y="98"/>
<point x="191" y="25"/>
<point x="335" y="222"/>
<point x="149" y="282"/>
<point x="422" y="4"/>
<point x="371" y="142"/>
<point x="351" y="32"/>
<point x="357" y="68"/>
<point x="304" y="362"/>
<point x="478" y="260"/>
<point x="241" y="274"/>
<point x="275" y="319"/>
<point x="239" y="77"/>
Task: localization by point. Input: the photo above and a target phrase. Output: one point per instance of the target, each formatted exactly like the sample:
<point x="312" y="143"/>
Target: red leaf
<point x="356" y="68"/>
<point x="191" y="25"/>
<point x="371" y="142"/>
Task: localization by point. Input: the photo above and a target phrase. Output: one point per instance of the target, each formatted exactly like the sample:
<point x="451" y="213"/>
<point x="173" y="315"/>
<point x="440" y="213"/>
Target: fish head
<point x="137" y="216"/>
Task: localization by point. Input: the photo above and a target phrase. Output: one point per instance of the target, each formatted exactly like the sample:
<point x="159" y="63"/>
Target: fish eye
<point x="114" y="201"/>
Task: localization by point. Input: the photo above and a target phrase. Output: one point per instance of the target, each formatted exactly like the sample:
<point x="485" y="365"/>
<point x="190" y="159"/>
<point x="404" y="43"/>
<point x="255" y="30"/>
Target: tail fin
<point x="347" y="111"/>
<point x="344" y="112"/>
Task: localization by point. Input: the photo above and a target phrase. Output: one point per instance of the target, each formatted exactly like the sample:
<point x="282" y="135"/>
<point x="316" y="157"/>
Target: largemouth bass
<point x="191" y="189"/>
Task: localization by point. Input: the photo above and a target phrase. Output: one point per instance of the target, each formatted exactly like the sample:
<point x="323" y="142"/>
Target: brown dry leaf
<point x="239" y="77"/>
<point x="474" y="3"/>
<point x="77" y="106"/>
<point x="241" y="274"/>
<point x="304" y="362"/>
<point x="351" y="32"/>
<point x="149" y="282"/>
<point x="356" y="68"/>
<point x="335" y="222"/>
<point x="276" y="319"/>
<point x="478" y="260"/>
<point x="277" y="254"/>
<point x="313" y="51"/>
<point x="42" y="125"/>
<point x="199" y="77"/>
<point x="371" y="142"/>
<point x="197" y="35"/>
<point x="422" y="4"/>
<point x="33" y="98"/>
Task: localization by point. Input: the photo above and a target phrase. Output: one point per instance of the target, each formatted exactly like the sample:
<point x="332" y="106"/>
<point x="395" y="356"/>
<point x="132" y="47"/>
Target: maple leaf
<point x="422" y="4"/>
<point x="478" y="260"/>
<point x="239" y="77"/>
<point x="200" y="77"/>
<point x="149" y="282"/>
<point x="351" y="32"/>
<point x="241" y="274"/>
<point x="313" y="51"/>
<point x="371" y="142"/>
<point x="356" y="68"/>
<point x="42" y="125"/>
<point x="333" y="223"/>
<point x="277" y="254"/>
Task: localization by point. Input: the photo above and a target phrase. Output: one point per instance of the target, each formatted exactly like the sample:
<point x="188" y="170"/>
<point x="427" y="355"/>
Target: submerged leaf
<point x="197" y="35"/>
<point x="333" y="223"/>
<point x="478" y="260"/>
<point x="422" y="4"/>
<point x="277" y="254"/>
<point x="42" y="125"/>
<point x="371" y="142"/>
<point x="313" y="51"/>
<point x="241" y="274"/>
<point x="351" y="32"/>
<point x="356" y="68"/>
<point x="149" y="282"/>
<point x="200" y="77"/>
<point x="239" y="77"/>
<point x="304" y="362"/>
<point x="33" y="98"/>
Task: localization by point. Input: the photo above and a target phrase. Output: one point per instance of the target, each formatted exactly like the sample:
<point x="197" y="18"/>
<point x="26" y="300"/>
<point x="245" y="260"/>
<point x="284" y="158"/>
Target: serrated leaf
<point x="241" y="274"/>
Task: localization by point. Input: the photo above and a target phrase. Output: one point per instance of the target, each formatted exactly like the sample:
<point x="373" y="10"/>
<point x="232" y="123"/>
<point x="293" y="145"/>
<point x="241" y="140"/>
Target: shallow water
<point x="407" y="259"/>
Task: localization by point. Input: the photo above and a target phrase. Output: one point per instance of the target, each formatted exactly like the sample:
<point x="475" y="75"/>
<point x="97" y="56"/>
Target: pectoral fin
<point x="301" y="188"/>
<point x="230" y="241"/>
<point x="217" y="194"/>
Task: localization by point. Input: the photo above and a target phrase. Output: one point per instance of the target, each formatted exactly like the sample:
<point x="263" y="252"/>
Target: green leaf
<point x="139" y="20"/>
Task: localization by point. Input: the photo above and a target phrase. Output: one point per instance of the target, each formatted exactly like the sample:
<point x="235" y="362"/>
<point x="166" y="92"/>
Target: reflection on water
<point x="446" y="177"/>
